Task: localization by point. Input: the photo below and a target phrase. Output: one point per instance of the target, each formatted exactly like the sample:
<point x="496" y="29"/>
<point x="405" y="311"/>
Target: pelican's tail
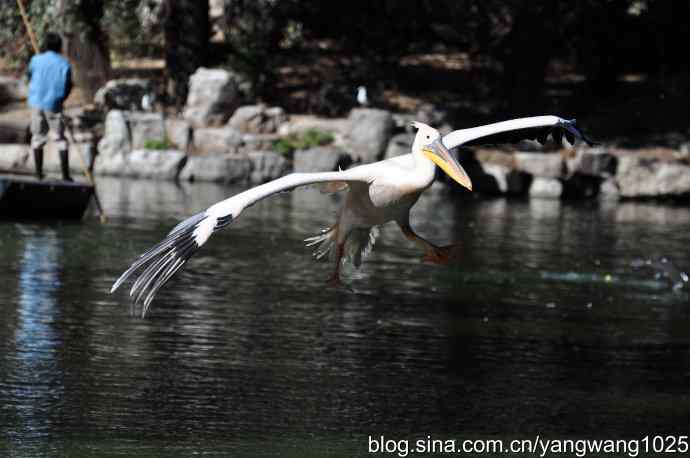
<point x="162" y="261"/>
<point x="324" y="242"/>
<point x="359" y="243"/>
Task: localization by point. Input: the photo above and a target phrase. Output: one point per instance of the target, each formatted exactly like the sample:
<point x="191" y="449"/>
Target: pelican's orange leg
<point x="434" y="254"/>
<point x="334" y="279"/>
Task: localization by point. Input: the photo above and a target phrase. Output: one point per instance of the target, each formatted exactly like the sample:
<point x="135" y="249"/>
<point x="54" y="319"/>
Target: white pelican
<point x="362" y="98"/>
<point x="376" y="194"/>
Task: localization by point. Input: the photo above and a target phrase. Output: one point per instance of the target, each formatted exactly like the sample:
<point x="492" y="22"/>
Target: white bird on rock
<point x="362" y="98"/>
<point x="377" y="193"/>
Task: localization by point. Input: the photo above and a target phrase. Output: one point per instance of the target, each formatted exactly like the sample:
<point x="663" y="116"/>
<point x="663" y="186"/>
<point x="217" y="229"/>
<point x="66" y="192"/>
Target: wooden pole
<point x="27" y="24"/>
<point x="68" y="127"/>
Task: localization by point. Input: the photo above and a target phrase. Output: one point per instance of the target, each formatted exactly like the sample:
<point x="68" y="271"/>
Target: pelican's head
<point x="428" y="143"/>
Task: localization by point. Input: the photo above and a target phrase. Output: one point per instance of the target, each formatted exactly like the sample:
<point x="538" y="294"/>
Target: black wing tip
<point x="160" y="263"/>
<point x="570" y="126"/>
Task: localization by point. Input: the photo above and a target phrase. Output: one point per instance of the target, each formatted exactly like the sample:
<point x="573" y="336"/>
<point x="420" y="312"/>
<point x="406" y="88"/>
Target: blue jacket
<point x="50" y="81"/>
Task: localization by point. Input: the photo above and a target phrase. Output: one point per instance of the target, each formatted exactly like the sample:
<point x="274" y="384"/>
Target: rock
<point x="539" y="165"/>
<point x="212" y="97"/>
<point x="179" y="133"/>
<point x="498" y="178"/>
<point x="591" y="161"/>
<point x="302" y="123"/>
<point x="608" y="190"/>
<point x="16" y="158"/>
<point x="116" y="139"/>
<point x="494" y="179"/>
<point x="216" y="140"/>
<point x="648" y="177"/>
<point x="257" y="119"/>
<point x="398" y="145"/>
<point x="258" y="142"/>
<point x="142" y="163"/>
<point x="546" y="188"/>
<point x="12" y="89"/>
<point x="217" y="168"/>
<point x="128" y="130"/>
<point x="683" y="153"/>
<point x="518" y="183"/>
<point x="368" y="133"/>
<point x="266" y="166"/>
<point x="430" y="114"/>
<point x="145" y="127"/>
<point x="14" y="132"/>
<point x="123" y="94"/>
<point x="320" y="159"/>
<point x="581" y="186"/>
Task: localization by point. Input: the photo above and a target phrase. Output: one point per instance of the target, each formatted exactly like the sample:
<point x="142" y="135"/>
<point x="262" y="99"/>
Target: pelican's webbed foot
<point x="441" y="255"/>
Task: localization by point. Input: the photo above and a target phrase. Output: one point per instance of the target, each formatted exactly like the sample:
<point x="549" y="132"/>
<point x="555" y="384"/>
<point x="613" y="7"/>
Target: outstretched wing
<point x="162" y="261"/>
<point x="533" y="128"/>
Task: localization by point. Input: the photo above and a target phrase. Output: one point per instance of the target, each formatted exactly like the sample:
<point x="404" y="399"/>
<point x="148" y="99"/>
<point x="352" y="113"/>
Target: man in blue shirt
<point x="50" y="82"/>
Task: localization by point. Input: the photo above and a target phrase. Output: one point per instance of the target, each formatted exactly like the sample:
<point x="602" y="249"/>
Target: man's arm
<point x="68" y="82"/>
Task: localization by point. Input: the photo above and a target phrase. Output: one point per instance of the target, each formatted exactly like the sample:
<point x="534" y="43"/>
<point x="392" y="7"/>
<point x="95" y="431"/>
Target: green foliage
<point x="305" y="140"/>
<point x="129" y="27"/>
<point x="15" y="46"/>
<point x="157" y="144"/>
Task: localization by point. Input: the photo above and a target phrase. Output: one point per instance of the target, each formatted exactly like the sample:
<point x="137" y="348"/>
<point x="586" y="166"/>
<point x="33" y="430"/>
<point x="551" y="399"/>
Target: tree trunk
<point x="84" y="44"/>
<point x="187" y="32"/>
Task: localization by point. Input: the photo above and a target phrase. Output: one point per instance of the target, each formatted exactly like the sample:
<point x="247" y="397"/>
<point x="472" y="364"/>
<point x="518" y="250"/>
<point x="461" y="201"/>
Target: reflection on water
<point x="550" y="323"/>
<point x="33" y="377"/>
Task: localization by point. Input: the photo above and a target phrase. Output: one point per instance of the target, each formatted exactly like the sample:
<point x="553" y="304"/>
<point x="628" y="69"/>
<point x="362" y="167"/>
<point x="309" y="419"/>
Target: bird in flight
<point x="376" y="193"/>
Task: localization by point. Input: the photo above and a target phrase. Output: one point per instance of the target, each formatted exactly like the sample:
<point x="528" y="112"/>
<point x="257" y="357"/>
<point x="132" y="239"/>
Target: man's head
<point x="52" y="42"/>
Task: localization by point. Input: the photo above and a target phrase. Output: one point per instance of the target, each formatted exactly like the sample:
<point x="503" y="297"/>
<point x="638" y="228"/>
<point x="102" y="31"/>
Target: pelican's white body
<point x="377" y="193"/>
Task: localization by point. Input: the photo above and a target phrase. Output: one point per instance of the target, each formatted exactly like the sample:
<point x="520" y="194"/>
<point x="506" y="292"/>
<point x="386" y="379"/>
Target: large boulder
<point x="595" y="161"/>
<point x="259" y="142"/>
<point x="546" y="188"/>
<point x="258" y="119"/>
<point x="146" y="127"/>
<point x="217" y="140"/>
<point x="213" y="95"/>
<point x="116" y="139"/>
<point x="15" y="158"/>
<point x="398" y="145"/>
<point x="14" y="131"/>
<point x="128" y="130"/>
<point x="501" y="179"/>
<point x="123" y="94"/>
<point x="539" y="164"/>
<point x="217" y="168"/>
<point x="142" y="163"/>
<point x="649" y="177"/>
<point x="266" y="166"/>
<point x="320" y="159"/>
<point x="608" y="190"/>
<point x="179" y="133"/>
<point x="303" y="123"/>
<point x="368" y="133"/>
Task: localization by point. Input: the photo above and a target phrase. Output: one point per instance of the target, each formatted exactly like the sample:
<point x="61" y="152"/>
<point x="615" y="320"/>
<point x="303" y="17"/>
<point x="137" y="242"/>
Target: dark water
<point x="558" y="320"/>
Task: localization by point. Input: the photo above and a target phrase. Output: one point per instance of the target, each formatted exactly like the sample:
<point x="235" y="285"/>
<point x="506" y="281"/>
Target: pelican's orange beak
<point x="440" y="156"/>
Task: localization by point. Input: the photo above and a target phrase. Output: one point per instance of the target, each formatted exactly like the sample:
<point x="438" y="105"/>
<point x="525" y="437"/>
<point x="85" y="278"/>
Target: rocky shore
<point x="219" y="138"/>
